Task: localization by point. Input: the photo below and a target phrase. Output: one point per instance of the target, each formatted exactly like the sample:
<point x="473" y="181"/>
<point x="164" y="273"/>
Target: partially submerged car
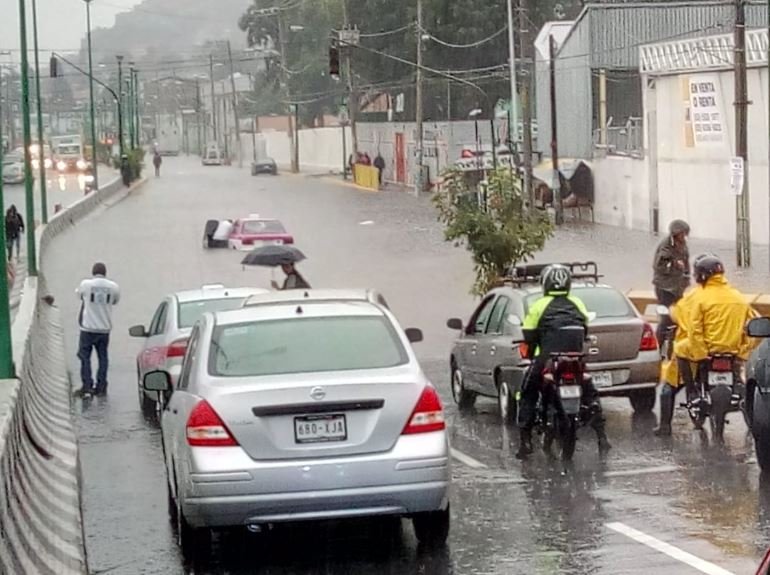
<point x="254" y="231"/>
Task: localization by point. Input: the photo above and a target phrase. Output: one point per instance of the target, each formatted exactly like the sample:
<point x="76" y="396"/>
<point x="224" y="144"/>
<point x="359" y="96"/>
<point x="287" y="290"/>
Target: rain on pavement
<point x="706" y="503"/>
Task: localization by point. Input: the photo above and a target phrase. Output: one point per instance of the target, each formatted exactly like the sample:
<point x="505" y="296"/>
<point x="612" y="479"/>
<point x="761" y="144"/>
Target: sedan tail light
<point x="428" y="414"/>
<point x="247" y="242"/>
<point x="649" y="341"/>
<point x="177" y="348"/>
<point x="206" y="429"/>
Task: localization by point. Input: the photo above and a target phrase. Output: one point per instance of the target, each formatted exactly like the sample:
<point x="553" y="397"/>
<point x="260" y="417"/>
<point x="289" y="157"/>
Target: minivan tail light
<point x="649" y="341"/>
<point x="428" y="414"/>
<point x="466" y="154"/>
<point x="206" y="429"/>
<point x="177" y="348"/>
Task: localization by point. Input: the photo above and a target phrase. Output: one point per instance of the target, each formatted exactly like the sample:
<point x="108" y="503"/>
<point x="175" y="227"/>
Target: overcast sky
<point x="62" y="23"/>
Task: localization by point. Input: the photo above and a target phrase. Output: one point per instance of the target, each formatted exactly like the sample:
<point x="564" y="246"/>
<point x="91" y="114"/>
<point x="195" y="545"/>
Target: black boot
<point x="601" y="434"/>
<point x="525" y="443"/>
<point x="667" y="399"/>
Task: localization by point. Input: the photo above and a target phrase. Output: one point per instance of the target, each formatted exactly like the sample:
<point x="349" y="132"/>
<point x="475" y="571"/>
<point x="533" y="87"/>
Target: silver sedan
<point x="303" y="411"/>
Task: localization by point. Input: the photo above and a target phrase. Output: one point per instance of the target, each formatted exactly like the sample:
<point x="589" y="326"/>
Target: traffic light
<point x="334" y="59"/>
<point x="54" y="67"/>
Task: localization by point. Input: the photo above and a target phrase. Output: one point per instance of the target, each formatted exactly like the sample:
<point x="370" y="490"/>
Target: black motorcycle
<point x="561" y="411"/>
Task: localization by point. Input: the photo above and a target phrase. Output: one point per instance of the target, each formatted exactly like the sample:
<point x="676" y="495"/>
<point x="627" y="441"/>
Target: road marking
<point x="642" y="471"/>
<point x="467" y="459"/>
<point x="366" y="223"/>
<point x="674" y="552"/>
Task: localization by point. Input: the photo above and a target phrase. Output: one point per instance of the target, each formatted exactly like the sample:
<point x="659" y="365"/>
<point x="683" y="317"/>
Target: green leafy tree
<point x="504" y="234"/>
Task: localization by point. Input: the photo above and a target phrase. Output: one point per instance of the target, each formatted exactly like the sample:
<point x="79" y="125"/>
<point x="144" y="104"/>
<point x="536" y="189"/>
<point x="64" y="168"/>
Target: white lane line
<point x="467" y="459"/>
<point x="642" y="471"/>
<point x="674" y="552"/>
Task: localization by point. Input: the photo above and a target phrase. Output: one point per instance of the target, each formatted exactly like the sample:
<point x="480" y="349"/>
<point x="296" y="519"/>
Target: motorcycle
<point x="720" y="390"/>
<point x="561" y="411"/>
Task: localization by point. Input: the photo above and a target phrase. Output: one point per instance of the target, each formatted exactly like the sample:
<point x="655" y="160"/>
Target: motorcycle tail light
<point x="721" y="364"/>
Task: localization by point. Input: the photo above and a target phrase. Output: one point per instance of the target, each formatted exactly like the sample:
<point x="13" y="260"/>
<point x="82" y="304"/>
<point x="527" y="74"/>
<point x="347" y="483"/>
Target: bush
<point x="504" y="234"/>
<point x="135" y="162"/>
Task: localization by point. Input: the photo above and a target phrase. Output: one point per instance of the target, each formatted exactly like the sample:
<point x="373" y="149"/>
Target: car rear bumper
<point x="235" y="490"/>
<point x="643" y="372"/>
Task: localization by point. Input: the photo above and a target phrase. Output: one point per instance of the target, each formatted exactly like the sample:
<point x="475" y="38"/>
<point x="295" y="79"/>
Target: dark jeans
<point x="88" y="342"/>
<point x="667" y="299"/>
<point x="157" y="171"/>
<point x="10" y="242"/>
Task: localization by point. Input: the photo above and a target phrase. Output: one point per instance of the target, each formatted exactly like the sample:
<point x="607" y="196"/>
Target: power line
<point x="464" y="46"/>
<point x="387" y="32"/>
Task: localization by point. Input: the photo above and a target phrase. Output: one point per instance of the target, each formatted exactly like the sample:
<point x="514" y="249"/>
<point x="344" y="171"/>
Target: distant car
<point x="212" y="156"/>
<point x="249" y="233"/>
<point x="317" y="295"/>
<point x="264" y="166"/>
<point x="166" y="338"/>
<point x="623" y="357"/>
<point x="293" y="412"/>
<point x="13" y="172"/>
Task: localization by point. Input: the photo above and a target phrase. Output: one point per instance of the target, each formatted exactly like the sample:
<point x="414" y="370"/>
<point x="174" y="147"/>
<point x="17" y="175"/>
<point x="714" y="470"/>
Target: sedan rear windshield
<point x="307" y="345"/>
<point x="605" y="302"/>
<point x="191" y="311"/>
<point x="263" y="227"/>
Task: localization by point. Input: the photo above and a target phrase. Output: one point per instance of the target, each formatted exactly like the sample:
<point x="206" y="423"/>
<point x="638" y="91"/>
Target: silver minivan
<point x="303" y="411"/>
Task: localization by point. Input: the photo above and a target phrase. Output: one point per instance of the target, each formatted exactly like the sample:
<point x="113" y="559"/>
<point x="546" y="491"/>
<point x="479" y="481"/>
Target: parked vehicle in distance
<point x="622" y="358"/>
<point x="166" y="337"/>
<point x="264" y="166"/>
<point x="168" y="142"/>
<point x="13" y="170"/>
<point x="212" y="156"/>
<point x="254" y="231"/>
<point x="291" y="412"/>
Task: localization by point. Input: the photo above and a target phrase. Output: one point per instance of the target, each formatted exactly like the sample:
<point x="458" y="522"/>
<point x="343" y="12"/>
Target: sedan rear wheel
<point x="463" y="398"/>
<point x="195" y="542"/>
<point x="643" y="400"/>
<point x="432" y="528"/>
<point x="506" y="402"/>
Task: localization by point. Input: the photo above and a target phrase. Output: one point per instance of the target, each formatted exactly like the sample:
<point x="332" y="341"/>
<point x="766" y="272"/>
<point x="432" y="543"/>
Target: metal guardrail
<point x="627" y="140"/>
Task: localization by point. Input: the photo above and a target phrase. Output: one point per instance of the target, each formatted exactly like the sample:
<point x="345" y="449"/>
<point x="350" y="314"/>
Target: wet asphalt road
<point x="507" y="517"/>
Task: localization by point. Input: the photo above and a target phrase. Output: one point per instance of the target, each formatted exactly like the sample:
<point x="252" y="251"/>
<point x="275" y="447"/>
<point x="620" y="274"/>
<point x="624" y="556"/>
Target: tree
<point x="501" y="236"/>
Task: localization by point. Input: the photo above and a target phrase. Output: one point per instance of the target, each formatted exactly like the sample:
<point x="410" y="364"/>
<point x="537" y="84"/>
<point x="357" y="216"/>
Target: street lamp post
<point x="6" y="345"/>
<point x="121" y="143"/>
<point x="27" y="130"/>
<point x="136" y="109"/>
<point x="40" y="136"/>
<point x="94" y="155"/>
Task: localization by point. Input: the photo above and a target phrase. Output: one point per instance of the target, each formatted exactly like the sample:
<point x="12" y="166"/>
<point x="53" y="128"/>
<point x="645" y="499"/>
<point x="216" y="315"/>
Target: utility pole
<point x="285" y="79"/>
<point x="742" y="223"/>
<point x="40" y="135"/>
<point x="6" y="345"/>
<point x="121" y="142"/>
<point x="352" y="94"/>
<point x="130" y="103"/>
<point x="213" y="100"/>
<point x="419" y="184"/>
<point x="198" y="113"/>
<point x="513" y="115"/>
<point x="94" y="154"/>
<point x="235" y="107"/>
<point x="136" y="109"/>
<point x="526" y="104"/>
<point x="27" y="132"/>
<point x="557" y="200"/>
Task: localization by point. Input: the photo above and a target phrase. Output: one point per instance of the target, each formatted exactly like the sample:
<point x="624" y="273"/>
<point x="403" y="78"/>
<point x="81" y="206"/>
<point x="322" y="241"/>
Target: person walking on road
<point x="671" y="270"/>
<point x="379" y="163"/>
<point x="14" y="227"/>
<point x="98" y="296"/>
<point x="157" y="160"/>
<point x="293" y="279"/>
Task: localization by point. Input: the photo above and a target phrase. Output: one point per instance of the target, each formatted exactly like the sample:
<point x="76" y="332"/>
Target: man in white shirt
<point x="222" y="234"/>
<point x="97" y="296"/>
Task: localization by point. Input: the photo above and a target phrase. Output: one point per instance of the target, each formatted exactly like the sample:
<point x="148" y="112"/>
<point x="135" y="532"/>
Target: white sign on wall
<point x="706" y="111"/>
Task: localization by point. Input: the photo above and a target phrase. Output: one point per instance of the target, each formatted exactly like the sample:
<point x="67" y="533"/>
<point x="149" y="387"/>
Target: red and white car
<point x="253" y="232"/>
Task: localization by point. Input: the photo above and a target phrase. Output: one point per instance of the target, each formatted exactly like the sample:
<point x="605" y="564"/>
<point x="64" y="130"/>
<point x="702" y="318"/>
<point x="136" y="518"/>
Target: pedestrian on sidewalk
<point x="98" y="296"/>
<point x="671" y="270"/>
<point x="125" y="170"/>
<point x="379" y="163"/>
<point x="157" y="161"/>
<point x="14" y="227"/>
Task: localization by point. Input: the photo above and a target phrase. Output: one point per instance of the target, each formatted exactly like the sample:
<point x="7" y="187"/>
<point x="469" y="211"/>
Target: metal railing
<point x="626" y="140"/>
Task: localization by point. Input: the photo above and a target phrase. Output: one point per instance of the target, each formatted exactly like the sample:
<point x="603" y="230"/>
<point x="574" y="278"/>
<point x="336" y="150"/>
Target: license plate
<point x="320" y="429"/>
<point x="602" y="378"/>
<point x="720" y="378"/>
<point x="570" y="392"/>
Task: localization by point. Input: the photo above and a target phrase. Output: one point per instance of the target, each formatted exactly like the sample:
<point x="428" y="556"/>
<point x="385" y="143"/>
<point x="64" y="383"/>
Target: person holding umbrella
<point x="285" y="256"/>
<point x="294" y="279"/>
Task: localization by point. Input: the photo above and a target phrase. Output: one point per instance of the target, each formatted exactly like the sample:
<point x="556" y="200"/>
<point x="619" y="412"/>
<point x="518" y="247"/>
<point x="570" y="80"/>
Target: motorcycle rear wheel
<point x="720" y="406"/>
<point x="567" y="436"/>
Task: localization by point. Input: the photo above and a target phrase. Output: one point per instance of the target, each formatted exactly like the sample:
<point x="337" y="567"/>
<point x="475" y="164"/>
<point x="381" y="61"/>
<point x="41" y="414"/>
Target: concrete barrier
<point x="366" y="176"/>
<point x="40" y="516"/>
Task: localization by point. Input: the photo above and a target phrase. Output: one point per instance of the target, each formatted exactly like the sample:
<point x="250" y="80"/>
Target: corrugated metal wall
<point x="609" y="36"/>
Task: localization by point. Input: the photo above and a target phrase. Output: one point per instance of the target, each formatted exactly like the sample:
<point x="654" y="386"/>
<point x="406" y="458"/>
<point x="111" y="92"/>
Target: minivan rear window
<point x="605" y="302"/>
<point x="304" y="345"/>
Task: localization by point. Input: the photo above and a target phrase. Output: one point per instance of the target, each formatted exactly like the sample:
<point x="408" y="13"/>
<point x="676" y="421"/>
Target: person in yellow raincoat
<point x="711" y="319"/>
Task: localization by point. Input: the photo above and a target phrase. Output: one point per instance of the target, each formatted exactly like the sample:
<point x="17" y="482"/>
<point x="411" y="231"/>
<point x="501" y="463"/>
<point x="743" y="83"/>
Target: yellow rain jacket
<point x="680" y="315"/>
<point x="716" y="320"/>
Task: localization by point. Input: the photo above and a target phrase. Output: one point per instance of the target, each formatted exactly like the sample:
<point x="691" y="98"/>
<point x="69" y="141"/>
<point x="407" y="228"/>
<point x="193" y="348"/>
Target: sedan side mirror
<point x="157" y="381"/>
<point x="759" y="327"/>
<point x="455" y="323"/>
<point x="414" y="335"/>
<point x="137" y="331"/>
